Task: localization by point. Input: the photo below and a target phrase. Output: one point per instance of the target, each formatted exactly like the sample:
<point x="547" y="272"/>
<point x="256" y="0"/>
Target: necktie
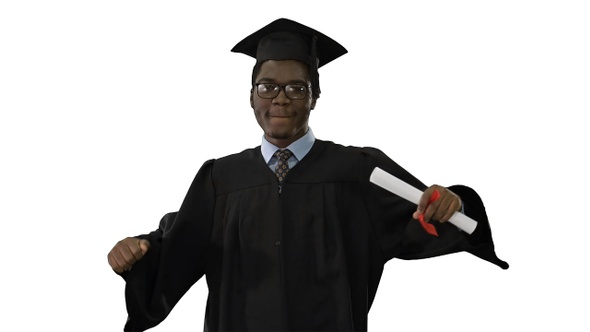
<point x="282" y="166"/>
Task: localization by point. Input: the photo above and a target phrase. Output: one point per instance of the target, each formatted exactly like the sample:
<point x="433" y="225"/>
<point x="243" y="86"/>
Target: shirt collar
<point x="299" y="148"/>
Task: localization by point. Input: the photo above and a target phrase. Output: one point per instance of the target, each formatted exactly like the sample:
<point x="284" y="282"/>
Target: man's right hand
<point x="126" y="253"/>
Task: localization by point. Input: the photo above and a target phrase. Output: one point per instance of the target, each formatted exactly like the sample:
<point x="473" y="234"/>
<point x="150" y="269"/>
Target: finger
<point x="448" y="204"/>
<point x="423" y="203"/>
<point x="131" y="249"/>
<point x="433" y="202"/>
<point x="416" y="215"/>
<point x="431" y="210"/>
<point x="445" y="208"/>
<point x="454" y="206"/>
<point x="118" y="263"/>
<point x="125" y="257"/>
<point x="114" y="264"/>
<point x="144" y="246"/>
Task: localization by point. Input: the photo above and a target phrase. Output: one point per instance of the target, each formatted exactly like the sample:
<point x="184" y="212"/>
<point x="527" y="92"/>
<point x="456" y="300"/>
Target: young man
<point x="291" y="235"/>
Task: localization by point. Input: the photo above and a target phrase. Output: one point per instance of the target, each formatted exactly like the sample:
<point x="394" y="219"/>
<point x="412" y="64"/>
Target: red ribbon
<point x="429" y="228"/>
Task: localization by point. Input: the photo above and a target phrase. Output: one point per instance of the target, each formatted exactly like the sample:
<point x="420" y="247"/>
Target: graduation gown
<point x="307" y="259"/>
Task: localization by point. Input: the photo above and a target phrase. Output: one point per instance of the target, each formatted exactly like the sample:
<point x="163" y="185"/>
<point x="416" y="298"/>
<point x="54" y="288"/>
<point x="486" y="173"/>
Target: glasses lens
<point x="296" y="91"/>
<point x="267" y="90"/>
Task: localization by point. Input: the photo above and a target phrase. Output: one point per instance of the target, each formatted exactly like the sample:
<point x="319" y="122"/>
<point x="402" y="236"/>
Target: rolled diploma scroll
<point x="412" y="194"/>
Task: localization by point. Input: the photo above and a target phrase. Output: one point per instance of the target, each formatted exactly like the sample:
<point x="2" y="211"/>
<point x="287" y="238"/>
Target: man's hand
<point x="126" y="252"/>
<point x="442" y="209"/>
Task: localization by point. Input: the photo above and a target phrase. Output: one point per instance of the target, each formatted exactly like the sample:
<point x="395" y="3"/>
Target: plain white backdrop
<point x="108" y="109"/>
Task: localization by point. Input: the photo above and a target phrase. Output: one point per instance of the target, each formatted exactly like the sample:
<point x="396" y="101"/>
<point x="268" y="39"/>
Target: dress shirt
<point x="299" y="148"/>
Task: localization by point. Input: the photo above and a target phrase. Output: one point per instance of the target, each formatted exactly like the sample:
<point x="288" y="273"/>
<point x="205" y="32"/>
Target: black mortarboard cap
<point x="284" y="39"/>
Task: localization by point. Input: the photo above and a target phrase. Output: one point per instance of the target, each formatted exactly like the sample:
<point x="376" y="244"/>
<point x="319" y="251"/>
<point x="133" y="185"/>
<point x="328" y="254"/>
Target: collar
<point x="300" y="147"/>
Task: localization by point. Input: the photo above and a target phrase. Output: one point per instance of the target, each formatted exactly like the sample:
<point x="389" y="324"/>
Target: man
<point x="291" y="235"/>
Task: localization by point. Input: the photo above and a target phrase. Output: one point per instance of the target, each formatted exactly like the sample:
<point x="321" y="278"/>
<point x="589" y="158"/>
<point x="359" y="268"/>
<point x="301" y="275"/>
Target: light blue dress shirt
<point x="299" y="148"/>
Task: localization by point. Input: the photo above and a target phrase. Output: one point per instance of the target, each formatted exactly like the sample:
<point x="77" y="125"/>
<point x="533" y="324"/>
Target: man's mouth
<point x="280" y="116"/>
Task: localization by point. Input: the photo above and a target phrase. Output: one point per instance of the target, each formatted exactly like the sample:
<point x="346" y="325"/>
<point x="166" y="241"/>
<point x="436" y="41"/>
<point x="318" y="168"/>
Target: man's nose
<point x="281" y="98"/>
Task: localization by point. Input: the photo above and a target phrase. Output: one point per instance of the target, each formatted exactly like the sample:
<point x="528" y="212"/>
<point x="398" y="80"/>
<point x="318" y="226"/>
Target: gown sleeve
<point x="400" y="236"/>
<point x="176" y="258"/>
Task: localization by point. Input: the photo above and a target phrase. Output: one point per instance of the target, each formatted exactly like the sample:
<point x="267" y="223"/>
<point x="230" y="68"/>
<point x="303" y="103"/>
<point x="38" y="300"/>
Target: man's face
<point x="283" y="120"/>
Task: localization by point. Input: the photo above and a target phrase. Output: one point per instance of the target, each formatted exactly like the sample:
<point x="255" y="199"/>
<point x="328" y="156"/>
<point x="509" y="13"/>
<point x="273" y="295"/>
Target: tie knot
<point x="283" y="155"/>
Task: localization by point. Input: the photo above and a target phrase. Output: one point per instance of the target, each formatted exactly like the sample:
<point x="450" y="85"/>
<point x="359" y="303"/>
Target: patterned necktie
<point x="282" y="166"/>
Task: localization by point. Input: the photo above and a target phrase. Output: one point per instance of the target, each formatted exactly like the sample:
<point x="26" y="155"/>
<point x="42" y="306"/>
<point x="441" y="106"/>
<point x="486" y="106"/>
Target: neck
<point x="281" y="143"/>
<point x="285" y="142"/>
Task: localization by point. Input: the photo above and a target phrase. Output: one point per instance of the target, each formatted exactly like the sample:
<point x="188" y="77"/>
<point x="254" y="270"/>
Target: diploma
<point x="412" y="194"/>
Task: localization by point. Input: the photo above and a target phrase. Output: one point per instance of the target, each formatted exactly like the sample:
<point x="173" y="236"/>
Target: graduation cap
<point x="284" y="39"/>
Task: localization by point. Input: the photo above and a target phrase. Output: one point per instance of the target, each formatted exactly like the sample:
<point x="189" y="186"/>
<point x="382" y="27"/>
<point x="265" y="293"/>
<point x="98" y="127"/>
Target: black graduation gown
<point x="307" y="259"/>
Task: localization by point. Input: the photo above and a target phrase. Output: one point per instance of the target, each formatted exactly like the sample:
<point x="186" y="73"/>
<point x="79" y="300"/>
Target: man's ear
<point x="313" y="100"/>
<point x="252" y="98"/>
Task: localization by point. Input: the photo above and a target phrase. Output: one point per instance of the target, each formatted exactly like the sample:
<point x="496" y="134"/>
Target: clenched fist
<point x="441" y="209"/>
<point x="126" y="253"/>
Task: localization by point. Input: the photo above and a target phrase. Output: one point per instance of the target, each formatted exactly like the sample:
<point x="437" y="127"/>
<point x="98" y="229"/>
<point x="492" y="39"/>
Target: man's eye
<point x="297" y="88"/>
<point x="268" y="87"/>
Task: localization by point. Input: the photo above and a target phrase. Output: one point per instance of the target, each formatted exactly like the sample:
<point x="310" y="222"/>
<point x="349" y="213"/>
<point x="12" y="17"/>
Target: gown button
<point x="278" y="243"/>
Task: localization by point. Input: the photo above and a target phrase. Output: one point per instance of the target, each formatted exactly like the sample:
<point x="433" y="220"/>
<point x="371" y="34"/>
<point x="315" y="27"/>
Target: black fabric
<point x="308" y="259"/>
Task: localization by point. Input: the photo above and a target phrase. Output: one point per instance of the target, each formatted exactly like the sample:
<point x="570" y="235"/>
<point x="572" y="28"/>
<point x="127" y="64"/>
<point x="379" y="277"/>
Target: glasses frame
<point x="284" y="88"/>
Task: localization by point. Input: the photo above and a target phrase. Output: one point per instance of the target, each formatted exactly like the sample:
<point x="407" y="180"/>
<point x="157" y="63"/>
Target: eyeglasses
<point x="271" y="90"/>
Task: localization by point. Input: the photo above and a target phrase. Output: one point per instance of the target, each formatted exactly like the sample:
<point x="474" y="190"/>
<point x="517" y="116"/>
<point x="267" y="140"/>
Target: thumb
<point x="144" y="245"/>
<point x="423" y="203"/>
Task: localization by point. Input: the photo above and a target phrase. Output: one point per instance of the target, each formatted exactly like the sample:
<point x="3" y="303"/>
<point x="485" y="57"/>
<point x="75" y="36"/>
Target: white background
<point x="108" y="109"/>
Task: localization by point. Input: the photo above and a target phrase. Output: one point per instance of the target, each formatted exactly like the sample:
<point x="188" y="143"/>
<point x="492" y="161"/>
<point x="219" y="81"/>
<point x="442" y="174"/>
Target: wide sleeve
<point x="176" y="258"/>
<point x="400" y="236"/>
